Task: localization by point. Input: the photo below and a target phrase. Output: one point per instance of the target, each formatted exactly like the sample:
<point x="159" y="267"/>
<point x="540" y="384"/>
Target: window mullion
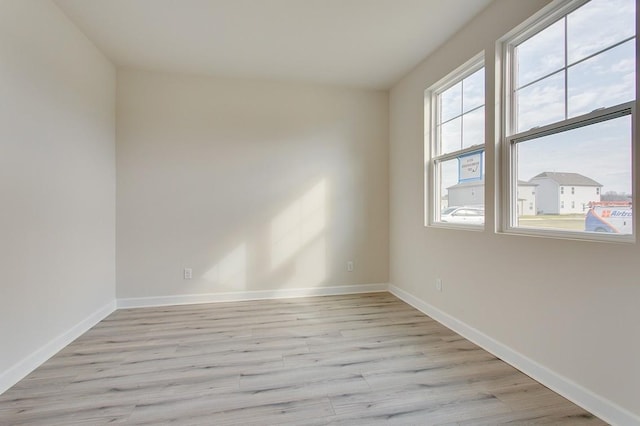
<point x="566" y="71"/>
<point x="606" y="49"/>
<point x="573" y="123"/>
<point x="453" y="155"/>
<point x="462" y="113"/>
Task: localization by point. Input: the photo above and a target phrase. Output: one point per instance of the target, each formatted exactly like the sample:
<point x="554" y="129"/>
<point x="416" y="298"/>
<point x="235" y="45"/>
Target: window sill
<point x="593" y="237"/>
<point x="459" y="226"/>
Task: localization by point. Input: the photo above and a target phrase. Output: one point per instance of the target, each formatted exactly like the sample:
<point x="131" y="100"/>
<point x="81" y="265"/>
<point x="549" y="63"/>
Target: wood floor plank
<point x="346" y="360"/>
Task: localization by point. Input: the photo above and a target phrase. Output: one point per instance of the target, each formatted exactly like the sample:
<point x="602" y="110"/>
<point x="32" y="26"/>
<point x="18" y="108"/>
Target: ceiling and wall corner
<point x="358" y="43"/>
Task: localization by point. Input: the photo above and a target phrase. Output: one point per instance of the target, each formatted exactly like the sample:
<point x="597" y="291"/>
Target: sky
<point x="601" y="152"/>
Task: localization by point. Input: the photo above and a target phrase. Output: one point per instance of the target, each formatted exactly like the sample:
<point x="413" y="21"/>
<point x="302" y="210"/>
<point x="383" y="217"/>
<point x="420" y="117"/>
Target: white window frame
<point x="511" y="138"/>
<point x="432" y="156"/>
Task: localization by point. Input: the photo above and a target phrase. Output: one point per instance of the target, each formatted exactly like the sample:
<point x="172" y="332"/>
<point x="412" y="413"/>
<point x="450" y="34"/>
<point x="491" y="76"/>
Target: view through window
<point x="457" y="163"/>
<point x="570" y="134"/>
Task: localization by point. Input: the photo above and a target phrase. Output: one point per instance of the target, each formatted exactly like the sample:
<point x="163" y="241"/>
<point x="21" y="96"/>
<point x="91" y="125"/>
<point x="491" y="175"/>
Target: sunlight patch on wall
<point x="299" y="224"/>
<point x="310" y="266"/>
<point x="231" y="271"/>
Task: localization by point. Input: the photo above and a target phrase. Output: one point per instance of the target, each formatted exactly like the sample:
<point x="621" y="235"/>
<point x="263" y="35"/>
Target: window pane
<point x="541" y="103"/>
<point x="459" y="125"/>
<point x="594" y="160"/>
<point x="473" y="91"/>
<point x="451" y="136"/>
<point x="597" y="25"/>
<point x="451" y="102"/>
<point x="460" y="203"/>
<point x="605" y="80"/>
<point x="473" y="128"/>
<point x="540" y="55"/>
<point x="448" y="178"/>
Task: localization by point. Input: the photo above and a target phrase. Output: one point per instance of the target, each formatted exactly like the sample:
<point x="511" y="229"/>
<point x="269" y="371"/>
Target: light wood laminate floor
<point x="363" y="359"/>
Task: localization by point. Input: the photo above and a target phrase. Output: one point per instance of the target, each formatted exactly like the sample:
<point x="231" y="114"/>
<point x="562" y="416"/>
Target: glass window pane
<point x="541" y="103"/>
<point x="460" y="203"/>
<point x="473" y="128"/>
<point x="597" y="25"/>
<point x="473" y="91"/>
<point x="605" y="80"/>
<point x="540" y="55"/>
<point x="451" y="102"/>
<point x="594" y="160"/>
<point x="451" y="136"/>
<point x="447" y="176"/>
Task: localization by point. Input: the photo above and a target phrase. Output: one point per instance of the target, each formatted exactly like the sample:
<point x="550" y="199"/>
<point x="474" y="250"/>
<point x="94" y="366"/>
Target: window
<point x="569" y="112"/>
<point x="455" y="146"/>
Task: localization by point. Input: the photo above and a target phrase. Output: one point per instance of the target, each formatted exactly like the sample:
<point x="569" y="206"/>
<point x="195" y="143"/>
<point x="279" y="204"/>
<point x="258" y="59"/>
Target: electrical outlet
<point x="188" y="273"/>
<point x="350" y="266"/>
<point x="438" y="284"/>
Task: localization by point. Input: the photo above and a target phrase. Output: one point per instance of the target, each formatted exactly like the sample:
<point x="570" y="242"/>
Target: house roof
<point x="481" y="182"/>
<point x="468" y="184"/>
<point x="575" y="179"/>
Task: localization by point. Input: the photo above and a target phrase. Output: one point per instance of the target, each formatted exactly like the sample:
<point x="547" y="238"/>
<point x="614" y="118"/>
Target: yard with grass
<point x="572" y="222"/>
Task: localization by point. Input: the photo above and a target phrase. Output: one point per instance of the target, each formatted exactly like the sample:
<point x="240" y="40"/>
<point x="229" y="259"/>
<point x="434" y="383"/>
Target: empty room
<point x="315" y="212"/>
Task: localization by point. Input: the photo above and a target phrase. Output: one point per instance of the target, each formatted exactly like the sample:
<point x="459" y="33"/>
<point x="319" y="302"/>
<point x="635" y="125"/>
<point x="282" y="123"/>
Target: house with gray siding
<point x="564" y="193"/>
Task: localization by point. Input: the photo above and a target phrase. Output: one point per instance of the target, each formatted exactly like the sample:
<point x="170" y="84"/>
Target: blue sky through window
<point x="602" y="151"/>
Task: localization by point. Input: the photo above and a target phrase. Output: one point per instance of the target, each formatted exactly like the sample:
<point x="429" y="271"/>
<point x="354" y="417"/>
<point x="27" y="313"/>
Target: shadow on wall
<point x="297" y="242"/>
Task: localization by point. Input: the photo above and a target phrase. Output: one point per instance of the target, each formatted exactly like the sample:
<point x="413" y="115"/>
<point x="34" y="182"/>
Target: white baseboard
<point x="21" y="369"/>
<point x="596" y="404"/>
<point x="186" y="299"/>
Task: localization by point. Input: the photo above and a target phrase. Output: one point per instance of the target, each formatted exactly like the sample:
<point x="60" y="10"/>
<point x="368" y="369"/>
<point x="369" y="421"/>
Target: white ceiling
<point x="360" y="43"/>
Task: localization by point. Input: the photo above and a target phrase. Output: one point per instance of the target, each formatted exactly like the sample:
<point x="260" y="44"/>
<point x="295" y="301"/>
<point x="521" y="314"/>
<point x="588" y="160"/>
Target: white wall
<point x="57" y="184"/>
<point x="577" y="318"/>
<point x="257" y="186"/>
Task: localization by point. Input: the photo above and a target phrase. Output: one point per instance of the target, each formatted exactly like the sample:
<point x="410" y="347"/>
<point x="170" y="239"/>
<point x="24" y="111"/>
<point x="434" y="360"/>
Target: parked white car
<point x="463" y="214"/>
